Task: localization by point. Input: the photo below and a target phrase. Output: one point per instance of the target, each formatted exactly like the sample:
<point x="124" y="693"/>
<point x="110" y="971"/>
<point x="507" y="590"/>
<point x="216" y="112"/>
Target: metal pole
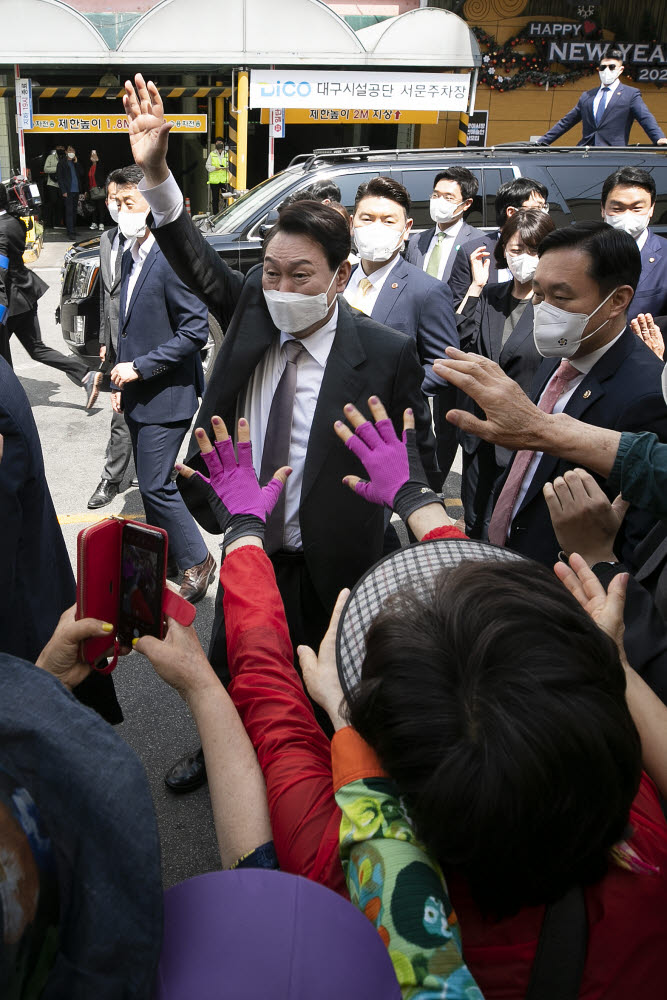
<point x="22" y="166"/>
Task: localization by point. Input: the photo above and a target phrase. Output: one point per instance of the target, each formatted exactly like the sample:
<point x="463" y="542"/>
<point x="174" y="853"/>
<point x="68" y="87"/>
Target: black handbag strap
<point x="559" y="962"/>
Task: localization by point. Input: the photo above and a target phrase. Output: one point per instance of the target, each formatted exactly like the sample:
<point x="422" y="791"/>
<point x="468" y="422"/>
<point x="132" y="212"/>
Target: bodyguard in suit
<point x="434" y="250"/>
<point x="162" y="327"/>
<point x="608" y="111"/>
<point x="522" y="192"/>
<point x="496" y="321"/>
<point x="595" y="369"/>
<point x="628" y="203"/>
<point x="289" y="312"/>
<point x="119" y="447"/>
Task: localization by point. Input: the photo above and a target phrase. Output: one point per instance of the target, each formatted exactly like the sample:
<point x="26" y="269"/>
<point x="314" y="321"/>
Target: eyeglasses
<point x="445" y="197"/>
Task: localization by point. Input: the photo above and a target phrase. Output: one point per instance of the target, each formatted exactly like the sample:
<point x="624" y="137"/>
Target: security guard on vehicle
<point x="217" y="166"/>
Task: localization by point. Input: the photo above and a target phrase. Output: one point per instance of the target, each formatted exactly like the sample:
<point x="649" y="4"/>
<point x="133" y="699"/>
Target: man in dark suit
<point x="36" y="580"/>
<point x="119" y="446"/>
<point x="522" y="192"/>
<point x="628" y="203"/>
<point x="611" y="378"/>
<point x="20" y="289"/>
<point x="72" y="183"/>
<point x="608" y="111"/>
<point x="162" y="327"/>
<point x="326" y="536"/>
<point x="435" y="250"/>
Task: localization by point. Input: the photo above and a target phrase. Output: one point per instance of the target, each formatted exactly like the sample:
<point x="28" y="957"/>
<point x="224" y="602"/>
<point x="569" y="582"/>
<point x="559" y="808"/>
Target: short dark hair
<point x="110" y="179"/>
<point x="384" y="187"/>
<point x="498" y="708"/>
<point x="466" y="180"/>
<point x="219" y="138"/>
<point x="614" y="257"/>
<point x="531" y="224"/>
<point x="3" y="196"/>
<point x="325" y="190"/>
<point x="127" y="176"/>
<point x="320" y="223"/>
<point x="512" y="194"/>
<point x="613" y="54"/>
<point x="630" y="177"/>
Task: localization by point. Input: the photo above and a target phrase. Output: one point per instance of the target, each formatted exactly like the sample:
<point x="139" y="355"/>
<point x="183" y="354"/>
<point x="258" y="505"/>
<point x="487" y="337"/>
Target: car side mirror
<point x="267" y="225"/>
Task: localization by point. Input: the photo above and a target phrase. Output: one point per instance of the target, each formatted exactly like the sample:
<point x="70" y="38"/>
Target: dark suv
<point x="573" y="175"/>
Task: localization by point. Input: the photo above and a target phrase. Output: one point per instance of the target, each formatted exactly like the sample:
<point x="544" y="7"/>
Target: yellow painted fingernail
<point x="107" y="626"/>
<point x="135" y="641"/>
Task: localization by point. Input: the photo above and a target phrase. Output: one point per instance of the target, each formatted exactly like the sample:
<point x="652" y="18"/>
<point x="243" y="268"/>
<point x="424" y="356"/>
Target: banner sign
<point x="357" y="116"/>
<point x="646" y="53"/>
<point x="24" y="103"/>
<point x="477" y="126"/>
<point x="555" y="29"/>
<point x="277" y="129"/>
<point x="359" y="90"/>
<point x="110" y="123"/>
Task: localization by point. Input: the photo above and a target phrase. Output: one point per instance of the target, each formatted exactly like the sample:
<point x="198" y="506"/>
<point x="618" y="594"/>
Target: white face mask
<point x="113" y="210"/>
<point x="71" y="156"/>
<point x="607" y="76"/>
<point x="377" y="242"/>
<point x="558" y="333"/>
<point x="633" y="223"/>
<point x="522" y="266"/>
<point x="664" y="383"/>
<point x="293" y="312"/>
<point x="132" y="224"/>
<point x="442" y="210"/>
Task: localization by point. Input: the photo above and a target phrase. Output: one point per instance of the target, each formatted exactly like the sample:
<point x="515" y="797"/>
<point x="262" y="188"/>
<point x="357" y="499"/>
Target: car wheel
<point x="213" y="345"/>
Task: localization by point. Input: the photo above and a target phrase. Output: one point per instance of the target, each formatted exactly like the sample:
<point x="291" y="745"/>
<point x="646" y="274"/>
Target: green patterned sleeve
<point x="391" y="879"/>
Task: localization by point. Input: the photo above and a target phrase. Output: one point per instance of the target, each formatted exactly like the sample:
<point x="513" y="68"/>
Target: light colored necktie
<point x="275" y="452"/>
<point x="602" y="104"/>
<point x="502" y="512"/>
<point x="360" y="301"/>
<point x="433" y="266"/>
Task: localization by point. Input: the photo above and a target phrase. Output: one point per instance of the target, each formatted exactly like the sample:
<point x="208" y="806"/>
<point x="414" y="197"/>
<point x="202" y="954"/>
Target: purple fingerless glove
<point x="240" y="504"/>
<point x="396" y="474"/>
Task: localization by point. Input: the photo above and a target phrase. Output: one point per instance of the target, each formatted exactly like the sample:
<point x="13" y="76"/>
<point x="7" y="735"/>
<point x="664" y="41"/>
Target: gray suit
<point x="119" y="446"/>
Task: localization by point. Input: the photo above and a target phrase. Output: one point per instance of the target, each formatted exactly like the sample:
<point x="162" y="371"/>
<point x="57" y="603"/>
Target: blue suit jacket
<point x="420" y="306"/>
<point x="623" y="107"/>
<point x="651" y="294"/>
<point x="420" y="242"/>
<point x="161" y="329"/>
<point x="621" y="392"/>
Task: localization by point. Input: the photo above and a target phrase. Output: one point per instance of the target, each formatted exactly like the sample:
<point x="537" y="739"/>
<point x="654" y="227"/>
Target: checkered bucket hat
<point x="416" y="568"/>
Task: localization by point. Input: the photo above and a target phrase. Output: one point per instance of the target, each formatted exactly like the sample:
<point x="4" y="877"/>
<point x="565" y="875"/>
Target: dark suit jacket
<point x="342" y="534"/>
<point x="19" y="287"/>
<point x="651" y="294"/>
<point x="109" y="296"/>
<point x="623" y="107"/>
<point x="461" y="276"/>
<point x="64" y="176"/>
<point x="481" y="330"/>
<point x="420" y="242"/>
<point x="420" y="306"/>
<point x="36" y="580"/>
<point x="162" y="329"/>
<point x="622" y="392"/>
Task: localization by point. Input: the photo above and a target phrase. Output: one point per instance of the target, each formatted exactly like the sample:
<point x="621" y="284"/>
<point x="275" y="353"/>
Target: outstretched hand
<point x="149" y="132"/>
<point x="320" y="673"/>
<point x="604" y="607"/>
<point x="232" y="489"/>
<point x="647" y="330"/>
<point x="583" y="518"/>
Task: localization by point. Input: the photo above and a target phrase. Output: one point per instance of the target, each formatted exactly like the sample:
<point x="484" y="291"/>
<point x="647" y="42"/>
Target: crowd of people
<point x="436" y="769"/>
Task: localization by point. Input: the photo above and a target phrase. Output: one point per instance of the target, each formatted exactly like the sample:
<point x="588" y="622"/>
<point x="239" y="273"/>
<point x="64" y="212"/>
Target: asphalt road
<point x="157" y="723"/>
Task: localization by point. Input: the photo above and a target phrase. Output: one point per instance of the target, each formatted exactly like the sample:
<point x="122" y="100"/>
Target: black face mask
<point x="219" y="148"/>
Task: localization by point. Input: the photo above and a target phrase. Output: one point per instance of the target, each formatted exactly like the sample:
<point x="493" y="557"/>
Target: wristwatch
<point x="135" y="369"/>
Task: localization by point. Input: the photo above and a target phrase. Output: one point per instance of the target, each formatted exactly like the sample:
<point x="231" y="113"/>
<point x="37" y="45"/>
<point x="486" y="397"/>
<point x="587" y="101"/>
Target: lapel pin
<point x="587" y="393"/>
<point x="395" y="285"/>
<point x="651" y="259"/>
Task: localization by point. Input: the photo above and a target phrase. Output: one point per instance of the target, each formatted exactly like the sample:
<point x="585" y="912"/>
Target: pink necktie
<point x="502" y="512"/>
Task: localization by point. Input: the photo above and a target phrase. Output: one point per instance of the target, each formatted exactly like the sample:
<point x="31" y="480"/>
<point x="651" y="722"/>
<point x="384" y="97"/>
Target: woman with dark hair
<point x="496" y="320"/>
<point x="96" y="191"/>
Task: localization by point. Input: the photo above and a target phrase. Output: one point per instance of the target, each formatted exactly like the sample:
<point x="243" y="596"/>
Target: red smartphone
<point x="143" y="565"/>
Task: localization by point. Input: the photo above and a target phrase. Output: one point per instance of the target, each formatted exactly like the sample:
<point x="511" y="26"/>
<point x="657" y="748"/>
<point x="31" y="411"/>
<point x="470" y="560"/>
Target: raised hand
<point x="646" y="329"/>
<point x="480" y="264"/>
<point x="149" y="132"/>
<point x="583" y="518"/>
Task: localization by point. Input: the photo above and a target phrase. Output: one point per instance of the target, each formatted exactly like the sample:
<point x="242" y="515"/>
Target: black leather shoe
<point x="103" y="495"/>
<point x="188" y="773"/>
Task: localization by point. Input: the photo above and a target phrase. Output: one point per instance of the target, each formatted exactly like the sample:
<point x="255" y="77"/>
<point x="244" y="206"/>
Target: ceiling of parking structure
<point x="48" y="32"/>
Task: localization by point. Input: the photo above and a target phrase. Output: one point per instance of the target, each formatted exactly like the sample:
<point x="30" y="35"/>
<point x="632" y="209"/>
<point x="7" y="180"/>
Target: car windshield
<point x="242" y="211"/>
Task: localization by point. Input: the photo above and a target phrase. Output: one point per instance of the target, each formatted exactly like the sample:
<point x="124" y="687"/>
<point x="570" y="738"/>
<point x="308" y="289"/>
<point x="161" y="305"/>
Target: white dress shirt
<point x="641" y="240"/>
<point x="165" y="199"/>
<point x="377" y="280"/>
<point x="448" y="244"/>
<point x="584" y="365"/>
<point x="139" y="254"/>
<point x="255" y="405"/>
<point x="598" y="97"/>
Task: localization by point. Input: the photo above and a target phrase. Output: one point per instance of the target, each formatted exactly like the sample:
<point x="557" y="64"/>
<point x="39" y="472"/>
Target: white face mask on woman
<point x="293" y="312"/>
<point x="132" y="224"/>
<point x="377" y="242"/>
<point x="522" y="266"/>
<point x="559" y="333"/>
